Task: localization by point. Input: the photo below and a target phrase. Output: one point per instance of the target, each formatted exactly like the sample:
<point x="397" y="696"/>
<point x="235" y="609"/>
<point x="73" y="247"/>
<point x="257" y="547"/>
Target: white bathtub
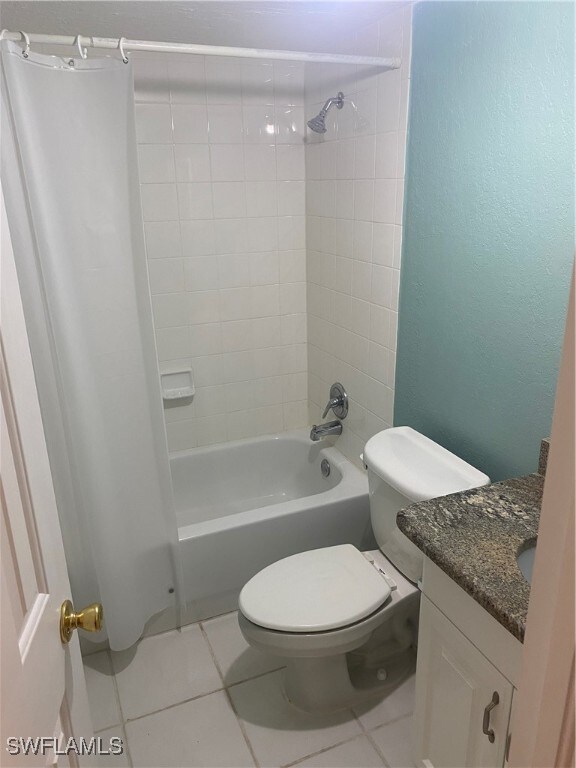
<point x="245" y="504"/>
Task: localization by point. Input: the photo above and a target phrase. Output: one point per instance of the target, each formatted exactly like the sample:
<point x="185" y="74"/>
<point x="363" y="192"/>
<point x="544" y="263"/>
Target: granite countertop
<point x="475" y="536"/>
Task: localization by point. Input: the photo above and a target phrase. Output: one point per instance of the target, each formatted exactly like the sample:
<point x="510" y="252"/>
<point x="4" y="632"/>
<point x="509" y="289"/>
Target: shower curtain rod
<point x="82" y="41"/>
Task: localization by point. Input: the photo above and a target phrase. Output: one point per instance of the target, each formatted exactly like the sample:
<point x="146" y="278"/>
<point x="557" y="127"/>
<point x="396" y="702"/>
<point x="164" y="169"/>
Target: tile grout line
<point x="117" y="694"/>
<point x="323" y="750"/>
<point x="377" y="750"/>
<point x="192" y="698"/>
<point x="228" y="697"/>
<point x="242" y="729"/>
<point x="364" y="731"/>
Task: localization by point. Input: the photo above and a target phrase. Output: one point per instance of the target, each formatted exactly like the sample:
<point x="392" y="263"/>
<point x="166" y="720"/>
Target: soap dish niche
<point x="177" y="385"/>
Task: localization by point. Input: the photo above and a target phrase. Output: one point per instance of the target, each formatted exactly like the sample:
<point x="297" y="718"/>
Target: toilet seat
<point x="314" y="591"/>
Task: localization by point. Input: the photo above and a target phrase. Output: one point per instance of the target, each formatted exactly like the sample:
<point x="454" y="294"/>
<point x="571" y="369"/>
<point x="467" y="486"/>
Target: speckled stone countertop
<point x="475" y="537"/>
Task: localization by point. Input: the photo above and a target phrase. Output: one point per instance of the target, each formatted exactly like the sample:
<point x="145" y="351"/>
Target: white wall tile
<point x="162" y="239"/>
<point x="225" y="124"/>
<point x="289" y="83"/>
<point x="187" y="80"/>
<point x="156" y="163"/>
<point x="190" y="123"/>
<point x="354" y="234"/>
<point x="172" y="343"/>
<point x="203" y="307"/>
<point x="150" y="78"/>
<point x="260" y="161"/>
<point x="230" y="235"/>
<point x="235" y="304"/>
<point x="291" y="198"/>
<point x="201" y="273"/>
<point x="259" y="124"/>
<point x="234" y="270"/>
<point x="205" y="339"/>
<point x="227" y="162"/>
<point x="170" y="310"/>
<point x="166" y="275"/>
<point x="198" y="238"/>
<point x="159" y="202"/>
<point x="223" y="81"/>
<point x="264" y="268"/>
<point x="192" y="162"/>
<point x="261" y="198"/>
<point x="290" y="124"/>
<point x="153" y="124"/>
<point x="257" y="82"/>
<point x="293" y="298"/>
<point x="262" y="234"/>
<point x="229" y="199"/>
<point x="385" y="200"/>
<point x="387" y="155"/>
<point x="383" y="244"/>
<point x="290" y="162"/>
<point x="264" y="300"/>
<point x="364" y="157"/>
<point x="195" y="200"/>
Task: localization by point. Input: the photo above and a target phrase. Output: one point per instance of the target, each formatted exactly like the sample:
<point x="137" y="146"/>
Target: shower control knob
<point x="338" y="402"/>
<point x="90" y="619"/>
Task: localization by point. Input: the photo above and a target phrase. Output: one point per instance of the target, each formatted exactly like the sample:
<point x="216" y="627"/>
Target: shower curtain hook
<point x="82" y="51"/>
<point x="121" y="49"/>
<point x="26" y="39"/>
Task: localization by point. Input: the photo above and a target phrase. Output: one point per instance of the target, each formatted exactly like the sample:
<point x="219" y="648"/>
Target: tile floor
<point x="200" y="697"/>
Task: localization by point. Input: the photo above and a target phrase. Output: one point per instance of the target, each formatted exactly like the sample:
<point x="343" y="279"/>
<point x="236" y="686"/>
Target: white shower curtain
<point x="71" y="182"/>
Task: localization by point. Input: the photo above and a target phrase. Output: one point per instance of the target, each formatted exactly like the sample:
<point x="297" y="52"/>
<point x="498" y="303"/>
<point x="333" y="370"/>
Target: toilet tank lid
<point x="417" y="467"/>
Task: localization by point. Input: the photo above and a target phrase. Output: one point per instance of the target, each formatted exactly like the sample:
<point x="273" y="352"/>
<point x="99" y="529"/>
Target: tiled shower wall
<point x="354" y="196"/>
<point x="222" y="171"/>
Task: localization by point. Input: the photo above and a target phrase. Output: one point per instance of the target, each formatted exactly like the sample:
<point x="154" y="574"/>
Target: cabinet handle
<point x="486" y="719"/>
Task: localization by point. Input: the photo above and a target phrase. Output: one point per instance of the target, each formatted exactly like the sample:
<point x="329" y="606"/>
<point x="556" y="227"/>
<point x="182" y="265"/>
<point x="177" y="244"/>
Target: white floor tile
<point x="397" y="704"/>
<point x="278" y="732"/>
<point x="164" y="670"/>
<point x="198" y="734"/>
<point x="358" y="753"/>
<point x="395" y="741"/>
<point x="110" y="761"/>
<point x="101" y="692"/>
<point x="237" y="660"/>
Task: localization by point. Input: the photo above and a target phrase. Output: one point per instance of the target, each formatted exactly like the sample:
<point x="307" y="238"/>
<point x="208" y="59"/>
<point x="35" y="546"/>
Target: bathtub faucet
<point x="330" y="429"/>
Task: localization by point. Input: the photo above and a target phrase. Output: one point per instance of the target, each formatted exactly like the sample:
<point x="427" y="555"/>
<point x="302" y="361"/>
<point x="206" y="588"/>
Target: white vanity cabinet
<point x="468" y="665"/>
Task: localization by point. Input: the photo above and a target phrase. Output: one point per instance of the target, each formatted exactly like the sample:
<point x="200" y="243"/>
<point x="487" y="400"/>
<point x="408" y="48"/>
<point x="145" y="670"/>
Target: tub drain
<point x="325" y="467"/>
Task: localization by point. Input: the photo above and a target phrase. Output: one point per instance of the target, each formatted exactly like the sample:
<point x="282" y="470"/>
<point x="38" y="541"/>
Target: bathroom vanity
<point x="472" y="619"/>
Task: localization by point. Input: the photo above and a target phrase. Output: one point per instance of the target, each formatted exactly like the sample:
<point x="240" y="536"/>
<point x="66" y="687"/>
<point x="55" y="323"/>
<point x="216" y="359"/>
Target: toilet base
<point x="327" y="683"/>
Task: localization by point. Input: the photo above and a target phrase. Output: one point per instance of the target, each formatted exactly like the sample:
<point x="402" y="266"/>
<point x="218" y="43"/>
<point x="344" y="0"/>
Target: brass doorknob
<point x="90" y="619"/>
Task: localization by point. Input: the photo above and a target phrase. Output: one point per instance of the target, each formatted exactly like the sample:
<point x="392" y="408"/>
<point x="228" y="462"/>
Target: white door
<point x="455" y="684"/>
<point x="43" y="686"/>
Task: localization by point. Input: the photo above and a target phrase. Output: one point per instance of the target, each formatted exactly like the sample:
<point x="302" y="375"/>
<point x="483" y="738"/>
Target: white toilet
<point x="345" y="620"/>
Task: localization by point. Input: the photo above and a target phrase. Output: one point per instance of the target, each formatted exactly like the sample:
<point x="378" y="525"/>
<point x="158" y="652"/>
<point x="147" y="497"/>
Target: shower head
<point x="318" y="123"/>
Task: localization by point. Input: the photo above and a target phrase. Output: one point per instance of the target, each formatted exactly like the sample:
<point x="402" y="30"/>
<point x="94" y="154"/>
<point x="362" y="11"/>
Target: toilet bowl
<point x="346" y="621"/>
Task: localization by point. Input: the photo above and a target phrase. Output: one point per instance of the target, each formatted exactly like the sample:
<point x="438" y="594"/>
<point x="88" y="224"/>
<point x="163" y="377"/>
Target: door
<point x="43" y="686"/>
<point x="455" y="684"/>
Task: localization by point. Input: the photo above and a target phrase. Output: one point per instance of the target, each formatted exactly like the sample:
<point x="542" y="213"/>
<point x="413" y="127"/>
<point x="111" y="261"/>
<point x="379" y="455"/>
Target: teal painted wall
<point x="489" y="227"/>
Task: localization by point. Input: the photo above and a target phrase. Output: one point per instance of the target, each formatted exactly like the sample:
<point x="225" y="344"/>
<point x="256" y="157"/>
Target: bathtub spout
<point x="330" y="429"/>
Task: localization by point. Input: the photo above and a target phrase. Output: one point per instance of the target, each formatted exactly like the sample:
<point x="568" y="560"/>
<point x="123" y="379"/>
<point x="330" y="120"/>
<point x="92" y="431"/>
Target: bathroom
<point x="272" y="257"/>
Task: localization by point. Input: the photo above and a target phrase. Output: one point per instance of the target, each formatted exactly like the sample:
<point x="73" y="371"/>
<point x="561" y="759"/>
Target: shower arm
<point x="337" y="100"/>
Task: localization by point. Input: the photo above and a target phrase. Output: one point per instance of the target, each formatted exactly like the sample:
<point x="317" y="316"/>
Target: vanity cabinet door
<point x="455" y="683"/>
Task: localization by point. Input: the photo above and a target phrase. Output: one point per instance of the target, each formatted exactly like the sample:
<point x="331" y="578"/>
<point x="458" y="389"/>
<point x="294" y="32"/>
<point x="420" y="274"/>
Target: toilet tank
<point x="405" y="467"/>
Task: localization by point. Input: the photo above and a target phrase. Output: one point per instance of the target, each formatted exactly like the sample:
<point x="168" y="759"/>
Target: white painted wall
<point x="355" y="188"/>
